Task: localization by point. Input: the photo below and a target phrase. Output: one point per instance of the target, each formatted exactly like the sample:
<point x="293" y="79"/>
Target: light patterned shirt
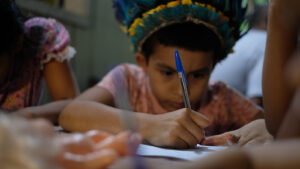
<point x="25" y="88"/>
<point x="226" y="108"/>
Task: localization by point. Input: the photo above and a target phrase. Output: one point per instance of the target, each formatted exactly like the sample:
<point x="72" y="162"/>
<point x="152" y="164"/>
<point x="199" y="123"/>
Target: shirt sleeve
<point x="55" y="39"/>
<point x="242" y="110"/>
<point x="116" y="82"/>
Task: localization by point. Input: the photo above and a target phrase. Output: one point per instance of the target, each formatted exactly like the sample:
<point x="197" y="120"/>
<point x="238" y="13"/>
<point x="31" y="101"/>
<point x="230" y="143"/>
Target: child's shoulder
<point x="219" y="88"/>
<point x="128" y="68"/>
<point x="216" y="86"/>
<point x="47" y="23"/>
<point x="221" y="91"/>
<point x="43" y="24"/>
<point x="52" y="37"/>
<point x="130" y="72"/>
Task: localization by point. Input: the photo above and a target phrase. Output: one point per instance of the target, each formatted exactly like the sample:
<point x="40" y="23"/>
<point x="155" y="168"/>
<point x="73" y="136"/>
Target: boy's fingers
<point x="187" y="137"/>
<point x="180" y="144"/>
<point x="200" y="119"/>
<point x="222" y="139"/>
<point x="193" y="128"/>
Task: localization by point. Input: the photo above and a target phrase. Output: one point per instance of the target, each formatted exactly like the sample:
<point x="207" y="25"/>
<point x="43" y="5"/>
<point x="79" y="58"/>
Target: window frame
<point x="43" y="9"/>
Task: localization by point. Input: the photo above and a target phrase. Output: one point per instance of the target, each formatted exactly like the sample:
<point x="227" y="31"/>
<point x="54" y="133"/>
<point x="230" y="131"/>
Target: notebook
<point x="186" y="154"/>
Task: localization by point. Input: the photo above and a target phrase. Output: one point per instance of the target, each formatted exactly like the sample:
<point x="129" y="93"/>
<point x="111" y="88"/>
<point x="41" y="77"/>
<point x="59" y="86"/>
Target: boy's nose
<point x="178" y="90"/>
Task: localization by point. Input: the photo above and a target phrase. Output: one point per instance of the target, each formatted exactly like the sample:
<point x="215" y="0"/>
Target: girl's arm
<point x="62" y="86"/>
<point x="60" y="80"/>
<point x="49" y="111"/>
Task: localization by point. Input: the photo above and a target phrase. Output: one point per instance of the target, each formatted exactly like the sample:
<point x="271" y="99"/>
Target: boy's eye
<point x="166" y="73"/>
<point x="198" y="75"/>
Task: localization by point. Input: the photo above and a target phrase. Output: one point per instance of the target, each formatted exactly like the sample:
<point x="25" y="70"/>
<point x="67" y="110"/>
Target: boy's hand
<point x="182" y="128"/>
<point x="250" y="134"/>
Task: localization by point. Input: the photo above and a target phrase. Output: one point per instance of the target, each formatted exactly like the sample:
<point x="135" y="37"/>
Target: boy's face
<point x="163" y="77"/>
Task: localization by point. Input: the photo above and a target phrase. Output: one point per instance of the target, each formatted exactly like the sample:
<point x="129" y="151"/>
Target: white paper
<point x="187" y="154"/>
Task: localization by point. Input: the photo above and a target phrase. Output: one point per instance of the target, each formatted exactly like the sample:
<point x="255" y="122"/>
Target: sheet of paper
<point x="188" y="154"/>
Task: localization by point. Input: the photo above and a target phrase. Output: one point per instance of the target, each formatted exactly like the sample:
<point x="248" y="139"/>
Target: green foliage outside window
<point x="261" y="2"/>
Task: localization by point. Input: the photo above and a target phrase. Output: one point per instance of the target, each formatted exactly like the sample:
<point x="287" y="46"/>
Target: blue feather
<point x="123" y="10"/>
<point x="127" y="11"/>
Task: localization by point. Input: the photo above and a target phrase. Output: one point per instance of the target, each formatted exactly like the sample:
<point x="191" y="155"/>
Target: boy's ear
<point x="141" y="60"/>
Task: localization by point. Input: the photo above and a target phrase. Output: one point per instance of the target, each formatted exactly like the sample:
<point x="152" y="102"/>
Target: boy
<point x="203" y="35"/>
<point x="282" y="153"/>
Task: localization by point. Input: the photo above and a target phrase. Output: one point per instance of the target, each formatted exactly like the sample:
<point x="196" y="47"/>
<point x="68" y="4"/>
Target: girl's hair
<point x="188" y="35"/>
<point x="24" y="59"/>
<point x="12" y="25"/>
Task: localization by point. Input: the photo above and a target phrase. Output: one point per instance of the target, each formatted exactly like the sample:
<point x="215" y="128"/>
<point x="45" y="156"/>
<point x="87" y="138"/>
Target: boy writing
<point x="204" y="33"/>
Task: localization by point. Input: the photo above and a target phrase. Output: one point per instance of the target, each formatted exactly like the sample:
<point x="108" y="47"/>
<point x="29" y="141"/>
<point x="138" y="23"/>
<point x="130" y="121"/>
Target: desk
<point x="155" y="157"/>
<point x="151" y="163"/>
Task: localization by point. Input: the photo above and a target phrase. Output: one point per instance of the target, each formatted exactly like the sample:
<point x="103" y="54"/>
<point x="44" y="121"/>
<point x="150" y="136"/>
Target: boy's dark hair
<point x="188" y="35"/>
<point x="12" y="25"/>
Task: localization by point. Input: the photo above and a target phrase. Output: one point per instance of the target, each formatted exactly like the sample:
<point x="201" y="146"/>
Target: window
<point x="74" y="12"/>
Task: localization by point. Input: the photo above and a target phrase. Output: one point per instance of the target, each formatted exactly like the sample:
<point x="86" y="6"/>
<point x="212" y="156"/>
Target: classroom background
<point x="95" y="34"/>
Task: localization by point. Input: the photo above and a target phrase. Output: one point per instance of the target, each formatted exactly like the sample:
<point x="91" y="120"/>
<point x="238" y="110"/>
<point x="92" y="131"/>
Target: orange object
<point x="97" y="136"/>
<point x="94" y="149"/>
<point x="118" y="143"/>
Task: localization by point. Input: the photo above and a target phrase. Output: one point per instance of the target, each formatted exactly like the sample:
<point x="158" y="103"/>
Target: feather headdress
<point x="141" y="18"/>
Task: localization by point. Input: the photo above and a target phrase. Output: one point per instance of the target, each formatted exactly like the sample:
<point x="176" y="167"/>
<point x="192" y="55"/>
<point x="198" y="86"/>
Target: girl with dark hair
<point x="30" y="52"/>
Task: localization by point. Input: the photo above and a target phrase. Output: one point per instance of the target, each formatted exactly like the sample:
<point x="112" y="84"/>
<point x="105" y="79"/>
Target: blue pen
<point x="183" y="81"/>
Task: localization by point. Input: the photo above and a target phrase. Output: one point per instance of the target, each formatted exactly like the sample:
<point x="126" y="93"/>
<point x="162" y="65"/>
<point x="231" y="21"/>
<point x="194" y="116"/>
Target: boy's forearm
<point x="86" y="115"/>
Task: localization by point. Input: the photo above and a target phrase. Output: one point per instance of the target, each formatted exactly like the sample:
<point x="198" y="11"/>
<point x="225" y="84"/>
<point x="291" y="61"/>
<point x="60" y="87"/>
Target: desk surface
<point x="151" y="163"/>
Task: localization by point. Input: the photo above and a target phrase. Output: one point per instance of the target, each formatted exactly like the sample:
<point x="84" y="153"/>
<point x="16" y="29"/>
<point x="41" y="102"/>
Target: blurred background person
<point x="242" y="70"/>
<point x="33" y="52"/>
